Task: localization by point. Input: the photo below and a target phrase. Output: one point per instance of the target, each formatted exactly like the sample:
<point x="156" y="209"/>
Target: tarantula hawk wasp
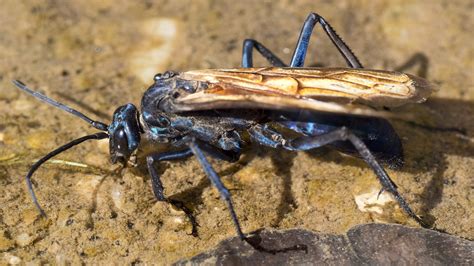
<point x="204" y="112"/>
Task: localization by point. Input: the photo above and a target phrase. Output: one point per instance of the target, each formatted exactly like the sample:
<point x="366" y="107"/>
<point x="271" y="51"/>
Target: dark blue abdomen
<point x="377" y="133"/>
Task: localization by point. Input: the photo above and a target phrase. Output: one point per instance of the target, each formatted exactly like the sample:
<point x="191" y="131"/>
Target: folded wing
<point x="338" y="90"/>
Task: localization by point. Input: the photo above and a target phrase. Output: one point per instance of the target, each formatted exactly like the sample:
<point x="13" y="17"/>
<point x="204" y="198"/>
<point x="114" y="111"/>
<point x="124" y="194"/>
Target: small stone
<point x="116" y="194"/>
<point x="24" y="239"/>
<point x="12" y="259"/>
<point x="371" y="202"/>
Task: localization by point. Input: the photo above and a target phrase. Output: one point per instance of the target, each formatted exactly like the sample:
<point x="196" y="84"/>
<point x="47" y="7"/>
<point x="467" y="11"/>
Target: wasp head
<point x="124" y="133"/>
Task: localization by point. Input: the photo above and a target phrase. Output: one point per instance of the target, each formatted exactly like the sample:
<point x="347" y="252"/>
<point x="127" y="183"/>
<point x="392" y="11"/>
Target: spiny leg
<point x="247" y="54"/>
<point x="216" y="181"/>
<point x="299" y="54"/>
<point x="343" y="134"/>
<point x="269" y="137"/>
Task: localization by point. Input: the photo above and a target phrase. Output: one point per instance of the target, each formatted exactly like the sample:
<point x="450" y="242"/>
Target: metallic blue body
<point x="223" y="128"/>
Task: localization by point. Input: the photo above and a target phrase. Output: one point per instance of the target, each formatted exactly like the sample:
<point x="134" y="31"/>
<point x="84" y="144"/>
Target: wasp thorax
<point x="124" y="133"/>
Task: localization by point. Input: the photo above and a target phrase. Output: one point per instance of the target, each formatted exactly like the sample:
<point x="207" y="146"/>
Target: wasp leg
<point x="229" y="156"/>
<point x="267" y="136"/>
<point x="343" y="134"/>
<point x="216" y="181"/>
<point x="247" y="54"/>
<point x="178" y="155"/>
<point x="155" y="177"/>
<point x="158" y="186"/>
<point x="299" y="54"/>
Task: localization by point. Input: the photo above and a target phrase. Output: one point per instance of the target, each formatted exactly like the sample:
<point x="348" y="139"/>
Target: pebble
<point x="369" y="202"/>
<point x="12" y="259"/>
<point x="24" y="239"/>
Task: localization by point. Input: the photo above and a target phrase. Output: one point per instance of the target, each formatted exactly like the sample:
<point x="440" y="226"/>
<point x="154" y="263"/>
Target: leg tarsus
<point x="180" y="205"/>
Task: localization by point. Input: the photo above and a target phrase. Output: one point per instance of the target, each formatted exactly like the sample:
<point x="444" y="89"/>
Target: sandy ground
<point x="97" y="55"/>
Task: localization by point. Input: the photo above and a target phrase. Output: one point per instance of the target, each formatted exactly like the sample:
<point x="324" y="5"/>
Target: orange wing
<point x="340" y="90"/>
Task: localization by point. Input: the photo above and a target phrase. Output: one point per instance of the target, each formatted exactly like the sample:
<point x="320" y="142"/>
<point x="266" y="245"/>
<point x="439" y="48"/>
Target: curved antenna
<point x="46" y="99"/>
<point x="34" y="167"/>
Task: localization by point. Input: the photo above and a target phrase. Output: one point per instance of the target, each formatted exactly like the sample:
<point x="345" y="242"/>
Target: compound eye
<point x="121" y="142"/>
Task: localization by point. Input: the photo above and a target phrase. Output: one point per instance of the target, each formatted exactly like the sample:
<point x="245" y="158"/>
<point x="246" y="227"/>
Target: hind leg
<point x="270" y="137"/>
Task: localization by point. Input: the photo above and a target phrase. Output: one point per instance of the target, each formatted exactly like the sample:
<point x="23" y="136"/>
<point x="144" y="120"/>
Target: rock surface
<point x="369" y="244"/>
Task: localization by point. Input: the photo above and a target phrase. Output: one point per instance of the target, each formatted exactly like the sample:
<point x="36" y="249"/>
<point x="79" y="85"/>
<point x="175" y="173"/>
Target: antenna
<point x="97" y="136"/>
<point x="65" y="147"/>
<point x="46" y="99"/>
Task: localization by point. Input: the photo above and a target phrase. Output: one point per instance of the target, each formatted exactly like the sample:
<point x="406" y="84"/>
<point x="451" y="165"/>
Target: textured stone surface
<point x="369" y="244"/>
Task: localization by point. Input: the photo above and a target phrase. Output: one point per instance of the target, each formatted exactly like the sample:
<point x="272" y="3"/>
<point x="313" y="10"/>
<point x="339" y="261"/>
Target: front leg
<point x="155" y="177"/>
<point x="158" y="186"/>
